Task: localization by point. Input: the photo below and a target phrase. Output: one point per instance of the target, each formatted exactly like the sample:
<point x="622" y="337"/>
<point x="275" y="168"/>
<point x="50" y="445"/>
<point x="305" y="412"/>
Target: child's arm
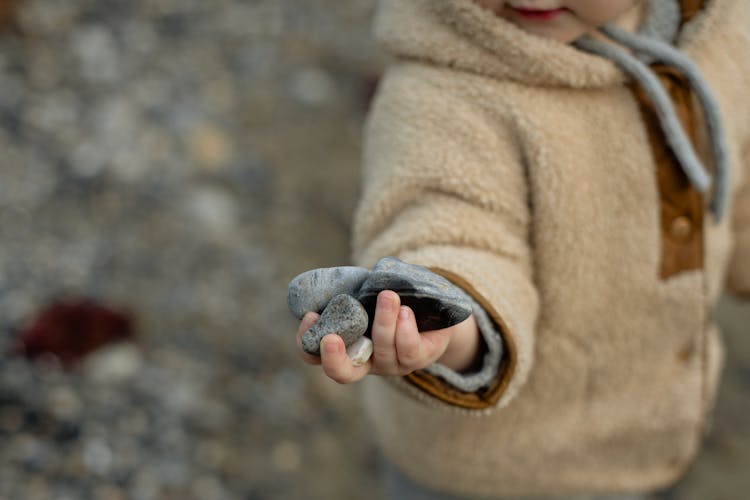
<point x="445" y="187"/>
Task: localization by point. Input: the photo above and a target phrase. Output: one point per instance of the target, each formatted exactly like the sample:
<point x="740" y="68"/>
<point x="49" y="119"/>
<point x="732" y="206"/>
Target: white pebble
<point x="116" y="363"/>
<point x="360" y="351"/>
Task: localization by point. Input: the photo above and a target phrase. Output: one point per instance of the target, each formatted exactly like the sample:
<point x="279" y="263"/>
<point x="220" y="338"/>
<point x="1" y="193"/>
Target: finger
<point x="408" y="343"/>
<point x="336" y="363"/>
<point x="383" y="333"/>
<point x="307" y="321"/>
<point x="434" y="343"/>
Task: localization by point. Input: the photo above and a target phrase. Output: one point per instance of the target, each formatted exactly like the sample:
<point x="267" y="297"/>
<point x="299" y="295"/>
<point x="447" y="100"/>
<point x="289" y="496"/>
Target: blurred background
<point x="166" y="167"/>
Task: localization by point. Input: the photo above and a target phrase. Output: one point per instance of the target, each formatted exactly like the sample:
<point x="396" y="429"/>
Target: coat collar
<point x="460" y="34"/>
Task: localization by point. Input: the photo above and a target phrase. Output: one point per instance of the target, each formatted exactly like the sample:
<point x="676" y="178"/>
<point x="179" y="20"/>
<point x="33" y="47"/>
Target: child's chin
<point x="559" y="35"/>
<point x="563" y="32"/>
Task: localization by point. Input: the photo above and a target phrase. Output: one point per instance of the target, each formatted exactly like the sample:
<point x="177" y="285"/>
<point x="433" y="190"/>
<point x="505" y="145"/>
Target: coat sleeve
<point x="444" y="187"/>
<point x="738" y="277"/>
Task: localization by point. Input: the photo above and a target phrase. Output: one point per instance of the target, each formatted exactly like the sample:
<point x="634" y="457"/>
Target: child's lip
<point x="539" y="14"/>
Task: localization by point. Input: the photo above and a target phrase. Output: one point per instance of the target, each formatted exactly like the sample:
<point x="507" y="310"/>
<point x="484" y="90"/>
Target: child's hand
<point x="398" y="347"/>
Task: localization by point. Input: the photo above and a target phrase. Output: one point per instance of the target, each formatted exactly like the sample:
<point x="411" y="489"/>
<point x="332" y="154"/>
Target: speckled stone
<point x="437" y="303"/>
<point x="344" y="316"/>
<point x="312" y="290"/>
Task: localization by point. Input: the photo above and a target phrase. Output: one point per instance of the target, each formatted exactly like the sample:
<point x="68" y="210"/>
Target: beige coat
<point x="521" y="169"/>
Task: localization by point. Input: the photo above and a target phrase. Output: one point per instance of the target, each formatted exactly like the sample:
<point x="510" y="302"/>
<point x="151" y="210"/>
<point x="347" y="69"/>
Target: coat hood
<point x="460" y="34"/>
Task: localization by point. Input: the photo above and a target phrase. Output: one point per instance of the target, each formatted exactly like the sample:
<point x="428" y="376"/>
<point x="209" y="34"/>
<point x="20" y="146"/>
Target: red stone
<point x="69" y="330"/>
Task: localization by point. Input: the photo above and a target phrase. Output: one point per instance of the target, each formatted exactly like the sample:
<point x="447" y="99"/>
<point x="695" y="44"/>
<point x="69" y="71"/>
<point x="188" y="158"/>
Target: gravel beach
<point x="181" y="161"/>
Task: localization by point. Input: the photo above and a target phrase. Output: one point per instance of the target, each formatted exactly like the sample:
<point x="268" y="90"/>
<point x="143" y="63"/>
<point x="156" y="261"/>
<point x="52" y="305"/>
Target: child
<point x="567" y="168"/>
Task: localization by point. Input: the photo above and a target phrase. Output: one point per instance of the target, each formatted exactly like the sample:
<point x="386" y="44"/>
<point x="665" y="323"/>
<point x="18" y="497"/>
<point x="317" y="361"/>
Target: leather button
<point x="686" y="354"/>
<point x="681" y="228"/>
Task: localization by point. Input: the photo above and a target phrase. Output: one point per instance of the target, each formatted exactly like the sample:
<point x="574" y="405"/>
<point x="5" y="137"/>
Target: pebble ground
<point x="183" y="160"/>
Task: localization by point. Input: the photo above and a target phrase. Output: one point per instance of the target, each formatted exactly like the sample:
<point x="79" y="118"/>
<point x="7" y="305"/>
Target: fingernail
<point x="403" y="314"/>
<point x="385" y="301"/>
<point x="329" y="347"/>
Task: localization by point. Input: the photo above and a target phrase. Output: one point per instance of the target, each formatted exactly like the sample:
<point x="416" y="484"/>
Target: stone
<point x="114" y="364"/>
<point x="312" y="86"/>
<point x="360" y="351"/>
<point x="344" y="316"/>
<point x="214" y="208"/>
<point x="209" y="146"/>
<point x="64" y="403"/>
<point x="69" y="330"/>
<point x="286" y="456"/>
<point x="312" y="290"/>
<point x="437" y="303"/>
<point x="97" y="456"/>
<point x="11" y="418"/>
<point x="97" y="53"/>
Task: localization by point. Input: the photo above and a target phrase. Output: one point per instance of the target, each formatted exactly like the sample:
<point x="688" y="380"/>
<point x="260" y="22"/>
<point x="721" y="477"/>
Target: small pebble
<point x="344" y="316"/>
<point x="97" y="456"/>
<point x="360" y="351"/>
<point x="286" y="456"/>
<point x="209" y="147"/>
<point x="312" y="290"/>
<point x="116" y="363"/>
<point x="64" y="403"/>
<point x="312" y="86"/>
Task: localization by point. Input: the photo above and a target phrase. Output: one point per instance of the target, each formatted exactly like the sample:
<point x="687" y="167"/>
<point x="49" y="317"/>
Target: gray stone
<point x="344" y="316"/>
<point x="312" y="290"/>
<point x="64" y="403"/>
<point x="437" y="303"/>
<point x="97" y="53"/>
<point x="97" y="456"/>
<point x="215" y="209"/>
<point x="312" y="86"/>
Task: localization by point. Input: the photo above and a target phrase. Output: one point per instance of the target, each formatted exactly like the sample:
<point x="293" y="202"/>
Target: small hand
<point x="399" y="348"/>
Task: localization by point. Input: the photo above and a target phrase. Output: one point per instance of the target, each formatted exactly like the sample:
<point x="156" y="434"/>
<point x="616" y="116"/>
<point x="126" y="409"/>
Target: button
<point x="686" y="354"/>
<point x="681" y="227"/>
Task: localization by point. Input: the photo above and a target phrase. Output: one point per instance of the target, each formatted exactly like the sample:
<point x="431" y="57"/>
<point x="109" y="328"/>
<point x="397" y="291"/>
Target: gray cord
<point x="665" y="53"/>
<point x="675" y="135"/>
<point x="662" y="21"/>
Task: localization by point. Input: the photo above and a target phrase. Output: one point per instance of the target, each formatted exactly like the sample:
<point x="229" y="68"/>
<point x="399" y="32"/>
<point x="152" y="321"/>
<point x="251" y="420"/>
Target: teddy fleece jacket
<point x="526" y="171"/>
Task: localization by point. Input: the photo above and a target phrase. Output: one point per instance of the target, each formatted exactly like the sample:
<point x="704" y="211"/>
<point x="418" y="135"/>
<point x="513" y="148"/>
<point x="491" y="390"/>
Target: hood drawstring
<point x="651" y="48"/>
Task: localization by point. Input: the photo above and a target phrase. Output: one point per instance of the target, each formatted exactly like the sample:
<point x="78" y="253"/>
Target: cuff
<point x="471" y="382"/>
<point x="478" y="390"/>
<point x="738" y="271"/>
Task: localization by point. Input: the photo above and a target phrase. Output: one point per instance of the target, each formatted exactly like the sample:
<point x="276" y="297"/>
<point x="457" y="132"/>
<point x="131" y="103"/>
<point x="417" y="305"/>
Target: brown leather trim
<point x="7" y="8"/>
<point x="740" y="294"/>
<point x="483" y="398"/>
<point x="690" y="8"/>
<point x="681" y="205"/>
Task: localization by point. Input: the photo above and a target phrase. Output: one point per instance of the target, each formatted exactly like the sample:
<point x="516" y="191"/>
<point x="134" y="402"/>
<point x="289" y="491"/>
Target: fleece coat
<point x="523" y="170"/>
